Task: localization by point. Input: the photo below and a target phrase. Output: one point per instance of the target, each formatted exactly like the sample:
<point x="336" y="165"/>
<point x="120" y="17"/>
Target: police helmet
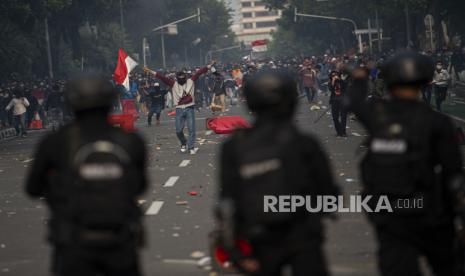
<point x="90" y="92"/>
<point x="273" y="92"/>
<point x="408" y="69"/>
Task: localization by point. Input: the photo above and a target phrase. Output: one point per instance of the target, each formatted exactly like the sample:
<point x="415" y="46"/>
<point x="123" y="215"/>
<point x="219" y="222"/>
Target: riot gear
<point x="272" y="158"/>
<point x="91" y="174"/>
<point x="408" y="141"/>
<point x="408" y="69"/>
<point x="90" y="92"/>
<point x="271" y="92"/>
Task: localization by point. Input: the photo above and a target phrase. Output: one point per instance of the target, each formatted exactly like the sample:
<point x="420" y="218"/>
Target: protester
<point x="338" y="111"/>
<point x="441" y="84"/>
<point x="182" y="90"/>
<point x="19" y="104"/>
<point x="156" y="98"/>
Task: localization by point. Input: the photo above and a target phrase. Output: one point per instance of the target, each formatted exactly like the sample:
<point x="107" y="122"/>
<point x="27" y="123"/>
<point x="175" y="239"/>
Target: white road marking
<point x="184" y="163"/>
<point x="356" y="134"/>
<point x="171" y="181"/>
<point x="154" y="208"/>
<point x="174" y="261"/>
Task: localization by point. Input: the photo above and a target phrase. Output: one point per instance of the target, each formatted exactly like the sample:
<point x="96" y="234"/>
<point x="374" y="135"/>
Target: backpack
<point x="398" y="163"/>
<point x="100" y="208"/>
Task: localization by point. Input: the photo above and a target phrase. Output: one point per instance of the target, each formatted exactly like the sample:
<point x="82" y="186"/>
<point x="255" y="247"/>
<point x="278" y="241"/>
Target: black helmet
<point x="271" y="92"/>
<point x="90" y="92"/>
<point x="408" y="69"/>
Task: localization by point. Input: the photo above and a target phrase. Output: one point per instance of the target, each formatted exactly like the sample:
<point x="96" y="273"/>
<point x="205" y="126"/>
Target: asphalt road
<point x="178" y="223"/>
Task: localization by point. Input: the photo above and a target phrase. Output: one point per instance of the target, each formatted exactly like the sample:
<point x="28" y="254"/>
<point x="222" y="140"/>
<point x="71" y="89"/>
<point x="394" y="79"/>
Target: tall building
<point x="256" y="22"/>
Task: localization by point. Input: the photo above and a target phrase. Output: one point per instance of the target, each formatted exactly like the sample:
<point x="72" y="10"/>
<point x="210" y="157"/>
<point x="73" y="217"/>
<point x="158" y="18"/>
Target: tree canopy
<point x="89" y="32"/>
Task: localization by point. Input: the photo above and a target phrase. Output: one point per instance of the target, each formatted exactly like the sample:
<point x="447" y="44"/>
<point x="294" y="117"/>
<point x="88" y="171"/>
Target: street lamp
<point x="209" y="53"/>
<point x="161" y="28"/>
<point x="359" y="37"/>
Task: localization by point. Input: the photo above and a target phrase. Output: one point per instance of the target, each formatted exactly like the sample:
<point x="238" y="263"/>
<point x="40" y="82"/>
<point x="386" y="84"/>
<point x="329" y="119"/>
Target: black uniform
<point x="275" y="158"/>
<point x="412" y="157"/>
<point x="91" y="174"/>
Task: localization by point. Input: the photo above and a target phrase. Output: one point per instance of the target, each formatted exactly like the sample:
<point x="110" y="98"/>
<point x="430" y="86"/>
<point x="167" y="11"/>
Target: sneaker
<point x="193" y="151"/>
<point x="183" y="148"/>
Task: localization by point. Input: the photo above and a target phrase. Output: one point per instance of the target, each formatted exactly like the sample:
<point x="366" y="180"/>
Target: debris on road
<point x="193" y="193"/>
<point x="181" y="202"/>
<point x="197" y="254"/>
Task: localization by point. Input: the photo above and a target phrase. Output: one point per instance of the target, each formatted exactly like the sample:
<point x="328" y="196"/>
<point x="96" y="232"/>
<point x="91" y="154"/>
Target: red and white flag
<point x="260" y="45"/>
<point x="124" y="67"/>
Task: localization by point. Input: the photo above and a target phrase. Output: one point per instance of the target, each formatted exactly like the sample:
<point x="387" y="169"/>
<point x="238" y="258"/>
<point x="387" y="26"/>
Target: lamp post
<point x="162" y="27"/>
<point x="359" y="37"/>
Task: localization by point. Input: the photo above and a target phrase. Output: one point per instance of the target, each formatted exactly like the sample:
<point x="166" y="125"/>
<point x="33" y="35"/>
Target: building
<point x="256" y="21"/>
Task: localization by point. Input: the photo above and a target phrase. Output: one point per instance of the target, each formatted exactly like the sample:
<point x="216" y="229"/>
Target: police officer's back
<point x="274" y="158"/>
<point x="413" y="159"/>
<point x="90" y="174"/>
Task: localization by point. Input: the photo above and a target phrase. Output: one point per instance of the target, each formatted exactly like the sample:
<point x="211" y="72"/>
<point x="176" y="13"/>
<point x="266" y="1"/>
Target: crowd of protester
<point x="22" y="101"/>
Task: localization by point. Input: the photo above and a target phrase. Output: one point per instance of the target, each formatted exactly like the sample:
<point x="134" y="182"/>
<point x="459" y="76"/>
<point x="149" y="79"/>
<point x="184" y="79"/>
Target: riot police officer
<point x="413" y="160"/>
<point x="90" y="174"/>
<point x="272" y="158"/>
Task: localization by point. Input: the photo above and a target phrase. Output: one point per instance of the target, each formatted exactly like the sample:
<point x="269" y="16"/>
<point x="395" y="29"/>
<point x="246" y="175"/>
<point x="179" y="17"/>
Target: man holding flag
<point x="182" y="90"/>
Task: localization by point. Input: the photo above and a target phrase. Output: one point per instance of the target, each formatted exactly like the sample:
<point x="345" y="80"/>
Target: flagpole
<point x="122" y="20"/>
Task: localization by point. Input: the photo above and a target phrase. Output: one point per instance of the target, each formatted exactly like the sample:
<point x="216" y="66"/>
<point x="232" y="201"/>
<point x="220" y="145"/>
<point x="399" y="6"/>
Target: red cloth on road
<point x="227" y="124"/>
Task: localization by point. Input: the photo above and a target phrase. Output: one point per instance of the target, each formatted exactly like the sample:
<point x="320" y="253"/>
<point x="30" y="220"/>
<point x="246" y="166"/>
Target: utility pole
<point x="380" y="41"/>
<point x="407" y="25"/>
<point x="162" y="37"/>
<point x="370" y="36"/>
<point x="49" y="51"/>
<point x="144" y="49"/>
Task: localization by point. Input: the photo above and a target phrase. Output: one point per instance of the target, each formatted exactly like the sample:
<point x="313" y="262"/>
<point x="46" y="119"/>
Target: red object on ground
<point x="129" y="107"/>
<point x="172" y="113"/>
<point x="36" y="123"/>
<point x="226" y="124"/>
<point x="193" y="193"/>
<point x="125" y="121"/>
<point x="222" y="256"/>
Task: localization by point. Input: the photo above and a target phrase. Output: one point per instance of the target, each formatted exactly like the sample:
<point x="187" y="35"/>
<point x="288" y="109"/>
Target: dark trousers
<point x="308" y="260"/>
<point x="20" y="124"/>
<point x="154" y="110"/>
<point x="440" y="93"/>
<point x="399" y="251"/>
<point x="72" y="261"/>
<point x="339" y="114"/>
<point x="426" y="93"/>
<point x="310" y="92"/>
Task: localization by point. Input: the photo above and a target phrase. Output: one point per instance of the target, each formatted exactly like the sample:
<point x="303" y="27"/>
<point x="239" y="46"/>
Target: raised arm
<point x="161" y="77"/>
<point x="200" y="72"/>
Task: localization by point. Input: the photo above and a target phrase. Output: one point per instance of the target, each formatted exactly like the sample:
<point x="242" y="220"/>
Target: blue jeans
<point x="183" y="116"/>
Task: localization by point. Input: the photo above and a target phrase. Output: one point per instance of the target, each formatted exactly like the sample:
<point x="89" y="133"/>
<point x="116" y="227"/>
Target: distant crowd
<point x="22" y="101"/>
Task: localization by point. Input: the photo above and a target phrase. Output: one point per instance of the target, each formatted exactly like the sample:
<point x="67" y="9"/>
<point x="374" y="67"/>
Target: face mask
<point x="439" y="67"/>
<point x="182" y="81"/>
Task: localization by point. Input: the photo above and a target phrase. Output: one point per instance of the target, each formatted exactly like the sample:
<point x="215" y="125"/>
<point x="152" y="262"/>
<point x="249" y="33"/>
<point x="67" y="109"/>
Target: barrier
<point x="129" y="107"/>
<point x="36" y="123"/>
<point x="125" y="121"/>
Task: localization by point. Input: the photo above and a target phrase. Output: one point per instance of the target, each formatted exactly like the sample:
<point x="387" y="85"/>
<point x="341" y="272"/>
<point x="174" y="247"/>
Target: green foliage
<point x="322" y="33"/>
<point x="72" y="26"/>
